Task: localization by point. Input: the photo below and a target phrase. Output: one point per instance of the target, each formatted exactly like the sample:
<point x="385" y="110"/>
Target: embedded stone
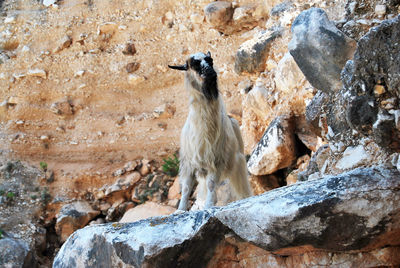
<point x="146" y="210"/>
<point x="252" y="54"/>
<point x="218" y="13"/>
<point x="275" y="150"/>
<point x="72" y="217"/>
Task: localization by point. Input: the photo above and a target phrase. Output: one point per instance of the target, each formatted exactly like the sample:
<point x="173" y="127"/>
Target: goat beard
<point x="210" y="85"/>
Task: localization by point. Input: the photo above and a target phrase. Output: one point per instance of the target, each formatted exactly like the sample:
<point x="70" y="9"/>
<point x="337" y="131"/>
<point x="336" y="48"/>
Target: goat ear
<point x="209" y="54"/>
<point x="183" y="67"/>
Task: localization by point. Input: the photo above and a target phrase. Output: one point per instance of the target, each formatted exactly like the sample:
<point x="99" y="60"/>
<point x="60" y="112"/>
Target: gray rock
<point x="344" y="212"/>
<point x="281" y="8"/>
<point x="361" y="113"/>
<point x="315" y="112"/>
<point x="16" y="253"/>
<point x="316" y="163"/>
<point x="320" y="49"/>
<point x="351" y="211"/>
<point x="155" y="242"/>
<point x="275" y="150"/>
<point x="73" y="217"/>
<point x="357" y="106"/>
<point x="383" y="129"/>
<point x="252" y="54"/>
<point x="19" y="213"/>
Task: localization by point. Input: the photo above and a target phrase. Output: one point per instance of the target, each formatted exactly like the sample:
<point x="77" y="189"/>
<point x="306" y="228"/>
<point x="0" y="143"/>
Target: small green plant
<point x="2" y="192"/>
<point x="45" y="196"/>
<point x="10" y="196"/>
<point x="1" y="233"/>
<point x="43" y="166"/>
<point x="171" y="166"/>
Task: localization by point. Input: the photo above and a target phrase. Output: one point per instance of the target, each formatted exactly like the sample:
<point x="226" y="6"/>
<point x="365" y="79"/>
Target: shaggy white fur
<point x="211" y="143"/>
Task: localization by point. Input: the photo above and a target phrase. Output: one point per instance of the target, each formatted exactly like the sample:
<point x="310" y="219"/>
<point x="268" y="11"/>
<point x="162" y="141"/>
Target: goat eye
<point x="195" y="63"/>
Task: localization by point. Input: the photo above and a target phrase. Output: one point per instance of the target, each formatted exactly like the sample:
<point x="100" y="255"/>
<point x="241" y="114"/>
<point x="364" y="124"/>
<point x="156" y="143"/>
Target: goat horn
<point x="179" y="67"/>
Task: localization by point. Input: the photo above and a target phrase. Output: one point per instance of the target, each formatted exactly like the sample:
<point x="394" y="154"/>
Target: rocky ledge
<point x="352" y="213"/>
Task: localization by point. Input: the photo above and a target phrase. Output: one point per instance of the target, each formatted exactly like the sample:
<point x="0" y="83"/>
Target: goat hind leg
<point x="239" y="178"/>
<point x="211" y="181"/>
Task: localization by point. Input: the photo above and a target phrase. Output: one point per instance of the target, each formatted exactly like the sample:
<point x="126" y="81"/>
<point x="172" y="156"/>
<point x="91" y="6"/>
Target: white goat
<point x="211" y="143"/>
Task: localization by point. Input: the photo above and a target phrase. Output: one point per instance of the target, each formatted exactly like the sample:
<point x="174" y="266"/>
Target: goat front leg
<point x="186" y="182"/>
<point x="211" y="181"/>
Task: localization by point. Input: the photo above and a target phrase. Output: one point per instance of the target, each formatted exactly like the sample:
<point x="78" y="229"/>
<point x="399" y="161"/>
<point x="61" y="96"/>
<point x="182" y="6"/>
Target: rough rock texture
<point x="276" y="149"/>
<point x="315" y="114"/>
<point x="358" y="210"/>
<point x="84" y="87"/>
<point x="22" y="200"/>
<point x="345" y="202"/>
<point x="156" y="242"/>
<point x="73" y="217"/>
<point x="320" y="49"/>
<point x="234" y="252"/>
<point x="367" y="103"/>
<point x="251" y="55"/>
<point x="352" y="157"/>
<point x="219" y="13"/>
<point x="120" y="189"/>
<point x="16" y="253"/>
<point x="288" y="75"/>
<point x="366" y="109"/>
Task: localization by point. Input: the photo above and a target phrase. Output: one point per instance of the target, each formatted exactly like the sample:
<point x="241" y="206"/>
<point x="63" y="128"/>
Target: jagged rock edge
<point x="234" y="218"/>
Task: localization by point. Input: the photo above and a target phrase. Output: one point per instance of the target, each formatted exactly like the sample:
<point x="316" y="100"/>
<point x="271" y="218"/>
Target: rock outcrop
<point x="365" y="104"/>
<point x="22" y="199"/>
<point x="357" y="211"/>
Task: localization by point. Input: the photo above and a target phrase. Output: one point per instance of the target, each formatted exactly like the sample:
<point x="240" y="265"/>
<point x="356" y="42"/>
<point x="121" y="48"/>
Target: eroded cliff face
<point x="89" y="105"/>
<point x="85" y="85"/>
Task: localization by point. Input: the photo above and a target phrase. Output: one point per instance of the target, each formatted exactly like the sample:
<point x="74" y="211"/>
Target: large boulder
<point x="320" y="49"/>
<point x="275" y="150"/>
<point x="353" y="212"/>
<point x="156" y="242"/>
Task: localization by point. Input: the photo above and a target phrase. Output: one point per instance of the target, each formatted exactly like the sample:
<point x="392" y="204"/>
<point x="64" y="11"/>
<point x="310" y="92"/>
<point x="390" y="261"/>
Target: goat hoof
<point x="179" y="211"/>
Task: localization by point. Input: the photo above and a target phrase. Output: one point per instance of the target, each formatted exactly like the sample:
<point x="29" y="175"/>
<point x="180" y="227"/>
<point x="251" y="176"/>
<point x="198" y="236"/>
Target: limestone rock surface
<point x="251" y="55"/>
<point x="275" y="150"/>
<point x="357" y="211"/>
